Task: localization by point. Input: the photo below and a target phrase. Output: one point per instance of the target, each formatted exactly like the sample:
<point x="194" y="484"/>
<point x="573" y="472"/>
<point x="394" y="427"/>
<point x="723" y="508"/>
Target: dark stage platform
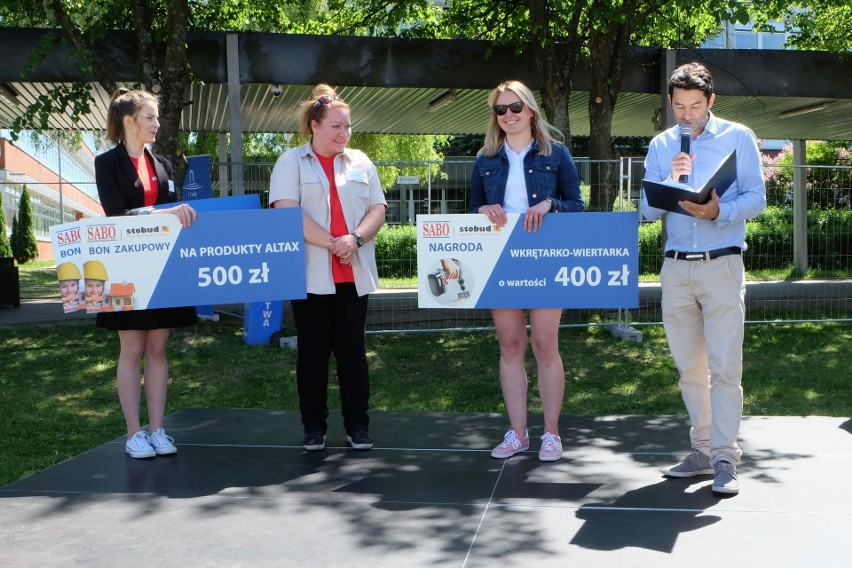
<point x="241" y="492"/>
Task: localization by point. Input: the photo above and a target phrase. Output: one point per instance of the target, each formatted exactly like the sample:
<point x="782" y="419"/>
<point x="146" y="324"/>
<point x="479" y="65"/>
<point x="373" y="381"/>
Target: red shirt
<point x="148" y="177"/>
<point x="340" y="273"/>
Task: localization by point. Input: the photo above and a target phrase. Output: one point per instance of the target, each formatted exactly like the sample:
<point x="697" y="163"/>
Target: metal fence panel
<point x="775" y="291"/>
<point x="770" y="296"/>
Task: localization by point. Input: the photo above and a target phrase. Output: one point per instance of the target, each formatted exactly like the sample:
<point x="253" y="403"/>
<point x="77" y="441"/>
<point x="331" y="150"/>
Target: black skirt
<point x="147" y="319"/>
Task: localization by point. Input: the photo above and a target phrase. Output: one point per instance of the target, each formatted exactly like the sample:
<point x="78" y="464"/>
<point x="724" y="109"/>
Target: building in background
<point x="744" y="36"/>
<point x="60" y="180"/>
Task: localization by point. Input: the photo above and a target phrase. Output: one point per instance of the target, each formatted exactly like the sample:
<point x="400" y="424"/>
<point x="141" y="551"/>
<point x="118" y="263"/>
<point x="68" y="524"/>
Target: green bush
<point x="396" y="251"/>
<point x="650" y="248"/>
<point x="769" y="239"/>
<point x="829" y="236"/>
<point x="5" y="245"/>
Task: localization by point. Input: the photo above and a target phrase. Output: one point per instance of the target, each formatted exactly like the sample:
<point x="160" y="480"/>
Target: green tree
<point x="414" y="148"/>
<point x="5" y="245"/>
<point x="549" y="28"/>
<point x="161" y="28"/>
<point x="397" y="148"/>
<point x="600" y="34"/>
<point x="613" y="28"/>
<point x="266" y="148"/>
<point x="257" y="147"/>
<point x="813" y="24"/>
<point x="564" y="34"/>
<point x="12" y="238"/>
<point x="24" y="243"/>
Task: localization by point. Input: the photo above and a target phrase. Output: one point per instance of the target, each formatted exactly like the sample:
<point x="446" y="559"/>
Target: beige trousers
<point x="703" y="315"/>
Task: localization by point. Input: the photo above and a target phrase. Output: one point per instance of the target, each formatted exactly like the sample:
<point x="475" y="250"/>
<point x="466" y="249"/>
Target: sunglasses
<point x="323" y="100"/>
<point x="516" y="108"/>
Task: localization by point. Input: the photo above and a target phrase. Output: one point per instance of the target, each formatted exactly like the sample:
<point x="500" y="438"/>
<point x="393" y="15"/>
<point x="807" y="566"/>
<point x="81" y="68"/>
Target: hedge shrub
<point x="650" y="248"/>
<point x="769" y="238"/>
<point x="396" y="251"/>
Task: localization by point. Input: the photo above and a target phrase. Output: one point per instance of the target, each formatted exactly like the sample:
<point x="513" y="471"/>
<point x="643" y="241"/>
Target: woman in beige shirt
<point x="343" y="207"/>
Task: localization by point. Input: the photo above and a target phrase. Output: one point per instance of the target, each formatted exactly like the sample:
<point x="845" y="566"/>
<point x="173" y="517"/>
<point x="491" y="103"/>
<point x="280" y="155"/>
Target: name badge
<point x="357" y="175"/>
<point x="171" y="186"/>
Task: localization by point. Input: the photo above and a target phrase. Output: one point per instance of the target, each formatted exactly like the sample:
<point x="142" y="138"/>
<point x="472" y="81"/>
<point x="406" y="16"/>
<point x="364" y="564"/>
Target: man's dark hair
<point x="692" y="76"/>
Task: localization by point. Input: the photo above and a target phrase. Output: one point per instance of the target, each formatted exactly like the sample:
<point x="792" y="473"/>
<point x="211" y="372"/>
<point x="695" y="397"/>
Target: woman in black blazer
<point x="131" y="180"/>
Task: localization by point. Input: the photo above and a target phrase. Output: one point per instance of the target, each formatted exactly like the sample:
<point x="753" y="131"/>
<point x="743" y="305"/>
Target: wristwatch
<point x="553" y="208"/>
<point x="358" y="238"/>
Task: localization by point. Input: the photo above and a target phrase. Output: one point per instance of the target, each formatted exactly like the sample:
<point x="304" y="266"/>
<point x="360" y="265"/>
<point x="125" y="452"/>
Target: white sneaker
<point x="162" y="444"/>
<point x="139" y="447"/>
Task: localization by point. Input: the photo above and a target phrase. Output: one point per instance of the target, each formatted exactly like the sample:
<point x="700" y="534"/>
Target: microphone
<point x="685" y="132"/>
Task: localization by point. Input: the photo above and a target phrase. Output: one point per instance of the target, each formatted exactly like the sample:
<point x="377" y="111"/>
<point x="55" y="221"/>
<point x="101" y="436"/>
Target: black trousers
<point x="325" y="324"/>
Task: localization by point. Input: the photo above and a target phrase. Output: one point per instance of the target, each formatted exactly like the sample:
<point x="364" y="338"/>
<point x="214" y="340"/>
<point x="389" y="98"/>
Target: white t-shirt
<point x="516" y="200"/>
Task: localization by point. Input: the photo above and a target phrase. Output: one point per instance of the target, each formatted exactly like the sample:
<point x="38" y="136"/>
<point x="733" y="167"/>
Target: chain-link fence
<point x="775" y="291"/>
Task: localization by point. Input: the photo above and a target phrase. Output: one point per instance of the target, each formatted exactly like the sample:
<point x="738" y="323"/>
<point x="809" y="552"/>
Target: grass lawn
<point x="58" y="397"/>
<point x="38" y="280"/>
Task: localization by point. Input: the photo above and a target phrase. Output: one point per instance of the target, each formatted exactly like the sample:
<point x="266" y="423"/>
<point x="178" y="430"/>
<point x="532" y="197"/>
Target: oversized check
<point x="151" y="261"/>
<point x="575" y="260"/>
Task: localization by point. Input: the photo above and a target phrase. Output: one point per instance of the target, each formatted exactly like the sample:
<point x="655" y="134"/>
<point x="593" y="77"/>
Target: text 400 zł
<point x="232" y="275"/>
<point x="591" y="276"/>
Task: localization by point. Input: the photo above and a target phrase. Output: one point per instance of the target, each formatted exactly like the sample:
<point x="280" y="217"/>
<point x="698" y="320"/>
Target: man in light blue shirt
<point x="703" y="279"/>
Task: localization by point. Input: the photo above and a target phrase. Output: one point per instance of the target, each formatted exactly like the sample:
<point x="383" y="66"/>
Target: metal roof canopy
<point x="389" y="83"/>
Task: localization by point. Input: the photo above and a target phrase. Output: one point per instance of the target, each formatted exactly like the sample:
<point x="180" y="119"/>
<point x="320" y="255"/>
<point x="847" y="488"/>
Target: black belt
<point x="709" y="255"/>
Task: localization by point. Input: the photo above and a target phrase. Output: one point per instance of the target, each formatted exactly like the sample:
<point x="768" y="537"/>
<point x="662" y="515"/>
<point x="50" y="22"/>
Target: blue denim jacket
<point x="553" y="176"/>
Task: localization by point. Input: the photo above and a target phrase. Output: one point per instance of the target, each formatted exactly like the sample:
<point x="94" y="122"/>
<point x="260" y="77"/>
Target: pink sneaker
<point x="551" y="448"/>
<point x="511" y="445"/>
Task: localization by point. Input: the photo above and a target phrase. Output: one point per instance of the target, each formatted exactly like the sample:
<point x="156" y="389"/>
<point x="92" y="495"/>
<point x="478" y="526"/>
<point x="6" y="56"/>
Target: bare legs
<point x="512" y="337"/>
<point x="134" y="345"/>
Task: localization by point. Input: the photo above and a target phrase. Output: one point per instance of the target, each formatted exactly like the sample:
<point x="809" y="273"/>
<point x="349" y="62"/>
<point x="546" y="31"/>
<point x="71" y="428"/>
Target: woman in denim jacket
<point x="523" y="169"/>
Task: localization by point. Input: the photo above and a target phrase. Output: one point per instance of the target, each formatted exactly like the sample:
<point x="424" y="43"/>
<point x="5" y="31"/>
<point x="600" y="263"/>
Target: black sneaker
<point x="360" y="440"/>
<point x="314" y="441"/>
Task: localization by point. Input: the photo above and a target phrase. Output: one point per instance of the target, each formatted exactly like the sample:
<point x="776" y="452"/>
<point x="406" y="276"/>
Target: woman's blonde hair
<point x="125" y="102"/>
<point x="543" y="133"/>
<point x="317" y="107"/>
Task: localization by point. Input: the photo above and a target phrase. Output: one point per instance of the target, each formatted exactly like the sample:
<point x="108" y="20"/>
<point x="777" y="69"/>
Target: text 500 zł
<point x="232" y="275"/>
